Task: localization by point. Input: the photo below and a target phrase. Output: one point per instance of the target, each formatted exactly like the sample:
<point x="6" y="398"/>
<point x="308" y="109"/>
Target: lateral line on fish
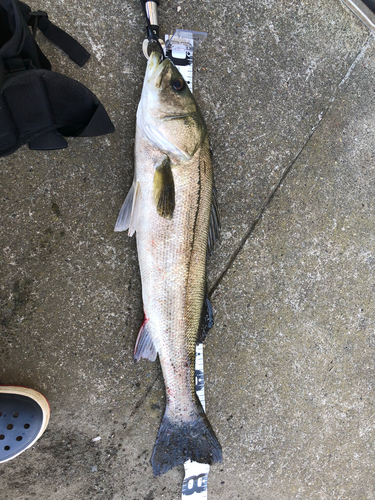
<point x="195" y="220"/>
<point x="192" y="244"/>
<point x="176" y="117"/>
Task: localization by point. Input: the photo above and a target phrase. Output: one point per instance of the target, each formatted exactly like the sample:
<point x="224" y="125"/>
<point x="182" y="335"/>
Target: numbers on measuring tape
<point x="194" y="484"/>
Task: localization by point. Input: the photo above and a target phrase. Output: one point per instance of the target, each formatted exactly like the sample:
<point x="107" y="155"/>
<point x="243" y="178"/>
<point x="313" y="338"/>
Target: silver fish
<point x="172" y="209"/>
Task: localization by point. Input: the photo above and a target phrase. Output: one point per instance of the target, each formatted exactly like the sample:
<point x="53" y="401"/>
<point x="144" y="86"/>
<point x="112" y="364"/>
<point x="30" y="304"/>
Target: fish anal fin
<point x="207" y="320"/>
<point x="144" y="346"/>
<point x="214" y="230"/>
<point x="163" y="187"/>
<point x="128" y="213"/>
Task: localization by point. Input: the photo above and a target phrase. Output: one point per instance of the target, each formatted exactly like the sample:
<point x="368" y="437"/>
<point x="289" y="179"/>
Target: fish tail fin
<point x="179" y="441"/>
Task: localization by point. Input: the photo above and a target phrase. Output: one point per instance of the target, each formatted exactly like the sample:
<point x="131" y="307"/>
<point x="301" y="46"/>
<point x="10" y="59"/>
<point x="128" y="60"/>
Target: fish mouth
<point x="156" y="68"/>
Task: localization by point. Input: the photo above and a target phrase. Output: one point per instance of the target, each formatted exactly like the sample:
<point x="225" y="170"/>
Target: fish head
<point x="168" y="114"/>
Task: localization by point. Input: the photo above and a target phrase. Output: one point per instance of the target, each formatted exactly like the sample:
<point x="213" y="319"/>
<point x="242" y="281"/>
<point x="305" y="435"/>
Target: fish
<point x="172" y="208"/>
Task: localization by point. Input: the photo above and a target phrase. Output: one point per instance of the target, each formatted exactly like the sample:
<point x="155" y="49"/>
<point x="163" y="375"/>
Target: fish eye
<point x="179" y="84"/>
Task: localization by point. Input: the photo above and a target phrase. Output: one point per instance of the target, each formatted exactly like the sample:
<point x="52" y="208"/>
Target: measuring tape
<point x="194" y="486"/>
<point x="179" y="48"/>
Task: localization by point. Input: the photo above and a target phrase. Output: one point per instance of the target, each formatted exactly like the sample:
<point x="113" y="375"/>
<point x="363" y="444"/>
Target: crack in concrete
<point x="139" y="403"/>
<point x="269" y="199"/>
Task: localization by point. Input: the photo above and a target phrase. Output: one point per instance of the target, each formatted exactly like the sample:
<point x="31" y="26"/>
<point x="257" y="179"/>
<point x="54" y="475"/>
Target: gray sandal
<point x="24" y="415"/>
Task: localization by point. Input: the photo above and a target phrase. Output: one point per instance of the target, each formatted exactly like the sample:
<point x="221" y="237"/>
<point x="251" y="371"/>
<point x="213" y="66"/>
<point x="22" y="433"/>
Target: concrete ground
<point x="288" y="91"/>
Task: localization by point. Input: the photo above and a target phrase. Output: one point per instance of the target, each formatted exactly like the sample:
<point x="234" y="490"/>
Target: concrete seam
<point x="270" y="197"/>
<point x="142" y="398"/>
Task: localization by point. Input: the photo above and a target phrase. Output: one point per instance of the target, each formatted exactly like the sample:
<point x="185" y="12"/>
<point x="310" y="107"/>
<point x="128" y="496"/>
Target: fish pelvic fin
<point x="128" y="213"/>
<point x="144" y="347"/>
<point x="178" y="441"/>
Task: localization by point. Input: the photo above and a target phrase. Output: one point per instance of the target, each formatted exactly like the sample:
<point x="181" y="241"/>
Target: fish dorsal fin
<point x="164" y="189"/>
<point x="144" y="347"/>
<point x="206" y="321"/>
<point x="127" y="216"/>
<point x="214" y="231"/>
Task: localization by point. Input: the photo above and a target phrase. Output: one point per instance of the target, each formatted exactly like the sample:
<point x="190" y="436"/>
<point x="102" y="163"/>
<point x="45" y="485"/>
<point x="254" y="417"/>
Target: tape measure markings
<point x="179" y="49"/>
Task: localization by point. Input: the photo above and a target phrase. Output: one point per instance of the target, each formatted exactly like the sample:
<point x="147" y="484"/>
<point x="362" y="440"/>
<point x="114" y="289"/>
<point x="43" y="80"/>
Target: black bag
<point x="37" y="105"/>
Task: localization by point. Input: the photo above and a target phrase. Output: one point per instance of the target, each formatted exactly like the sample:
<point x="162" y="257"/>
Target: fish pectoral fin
<point x="163" y="188"/>
<point x="144" y="347"/>
<point x="214" y="231"/>
<point x="127" y="216"/>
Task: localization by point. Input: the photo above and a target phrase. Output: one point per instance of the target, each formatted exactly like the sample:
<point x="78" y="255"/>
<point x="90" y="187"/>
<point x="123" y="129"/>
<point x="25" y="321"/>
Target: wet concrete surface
<point x="287" y="91"/>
